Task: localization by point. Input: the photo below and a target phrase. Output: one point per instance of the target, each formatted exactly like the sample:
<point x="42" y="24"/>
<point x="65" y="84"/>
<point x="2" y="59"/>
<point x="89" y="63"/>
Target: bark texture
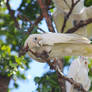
<point x="4" y="82"/>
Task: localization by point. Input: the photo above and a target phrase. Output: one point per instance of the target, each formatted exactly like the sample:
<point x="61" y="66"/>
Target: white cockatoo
<point x="59" y="16"/>
<point x="79" y="13"/>
<point x="56" y="45"/>
<point x="78" y="71"/>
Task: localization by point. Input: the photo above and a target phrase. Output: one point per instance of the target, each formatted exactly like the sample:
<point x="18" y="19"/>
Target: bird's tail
<point x="71" y="49"/>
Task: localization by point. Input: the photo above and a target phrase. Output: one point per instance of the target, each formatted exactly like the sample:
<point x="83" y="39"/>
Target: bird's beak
<point x="38" y="45"/>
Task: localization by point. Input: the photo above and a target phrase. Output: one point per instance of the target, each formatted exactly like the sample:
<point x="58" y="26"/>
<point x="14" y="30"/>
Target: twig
<point x="79" y="25"/>
<point x="32" y="25"/>
<point x="44" y="10"/>
<point x="35" y="24"/>
<point x="41" y="29"/>
<point x="24" y="18"/>
<point x="11" y="12"/>
<point x="68" y="14"/>
<point x="67" y="4"/>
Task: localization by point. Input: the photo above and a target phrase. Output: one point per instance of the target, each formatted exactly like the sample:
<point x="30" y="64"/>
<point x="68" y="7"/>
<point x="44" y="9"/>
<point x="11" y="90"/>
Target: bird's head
<point x="33" y="41"/>
<point x="84" y="61"/>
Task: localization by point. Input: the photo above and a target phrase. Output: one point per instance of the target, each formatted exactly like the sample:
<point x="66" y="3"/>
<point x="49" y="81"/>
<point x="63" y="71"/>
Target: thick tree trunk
<point x="4" y="81"/>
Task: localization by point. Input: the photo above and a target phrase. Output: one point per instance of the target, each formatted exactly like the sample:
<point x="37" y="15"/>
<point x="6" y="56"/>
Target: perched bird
<point x="78" y="71"/>
<point x="56" y="45"/>
<point x="59" y="16"/>
<point x="79" y="13"/>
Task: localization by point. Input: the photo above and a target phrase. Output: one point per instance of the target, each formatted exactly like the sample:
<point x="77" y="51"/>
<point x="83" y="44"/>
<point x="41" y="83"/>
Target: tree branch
<point x="59" y="63"/>
<point x="32" y="25"/>
<point x="70" y="80"/>
<point x="37" y="20"/>
<point x="68" y="14"/>
<point x="41" y="29"/>
<point x="67" y="4"/>
<point x="44" y="10"/>
<point x="58" y="70"/>
<point x="79" y="25"/>
<point x="11" y="12"/>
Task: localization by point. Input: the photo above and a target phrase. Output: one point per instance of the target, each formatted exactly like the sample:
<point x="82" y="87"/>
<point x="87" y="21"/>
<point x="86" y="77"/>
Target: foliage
<point x="30" y="8"/>
<point x="8" y="62"/>
<point x="88" y="3"/>
<point x="11" y="40"/>
<point x="47" y="82"/>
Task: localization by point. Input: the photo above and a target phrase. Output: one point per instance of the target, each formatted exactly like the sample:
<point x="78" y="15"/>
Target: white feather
<point x="80" y="12"/>
<point x="78" y="71"/>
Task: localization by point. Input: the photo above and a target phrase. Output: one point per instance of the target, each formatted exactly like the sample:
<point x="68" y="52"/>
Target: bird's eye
<point x="35" y="38"/>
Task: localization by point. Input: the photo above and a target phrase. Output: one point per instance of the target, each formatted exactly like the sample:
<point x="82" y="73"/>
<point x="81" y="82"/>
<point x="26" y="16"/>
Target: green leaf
<point x="16" y="85"/>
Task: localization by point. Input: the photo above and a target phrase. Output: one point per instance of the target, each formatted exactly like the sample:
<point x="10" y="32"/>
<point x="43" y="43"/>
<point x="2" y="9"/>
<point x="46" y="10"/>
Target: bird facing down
<point x="78" y="71"/>
<point x="57" y="45"/>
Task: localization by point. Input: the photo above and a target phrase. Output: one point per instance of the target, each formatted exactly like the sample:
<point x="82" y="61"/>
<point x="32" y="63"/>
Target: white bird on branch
<point x="78" y="71"/>
<point x="57" y="45"/>
<point x="80" y="12"/>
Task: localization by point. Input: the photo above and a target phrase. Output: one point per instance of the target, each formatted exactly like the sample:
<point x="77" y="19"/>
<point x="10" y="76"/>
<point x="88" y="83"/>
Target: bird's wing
<point x="73" y="69"/>
<point x="72" y="73"/>
<point x="89" y="30"/>
<point x="58" y="17"/>
<point x="68" y="49"/>
<point x="89" y="26"/>
<point x="76" y="18"/>
<point x="60" y="4"/>
<point x="52" y="38"/>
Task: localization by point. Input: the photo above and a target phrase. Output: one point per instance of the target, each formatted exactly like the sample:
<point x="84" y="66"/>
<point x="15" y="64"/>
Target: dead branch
<point x="11" y="12"/>
<point x="68" y="14"/>
<point x="44" y="10"/>
<point x="79" y="25"/>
